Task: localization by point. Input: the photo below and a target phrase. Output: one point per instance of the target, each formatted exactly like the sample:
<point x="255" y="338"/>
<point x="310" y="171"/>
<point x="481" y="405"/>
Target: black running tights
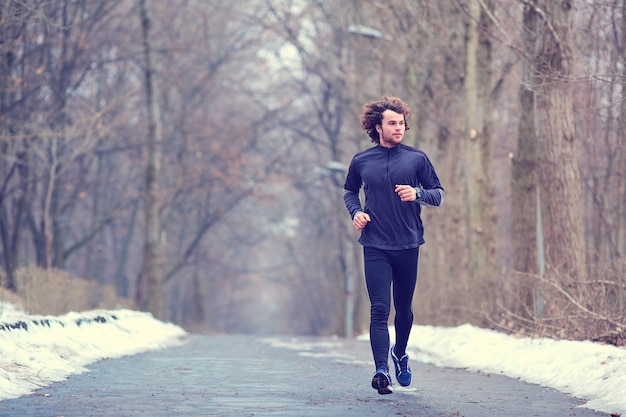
<point x="384" y="270"/>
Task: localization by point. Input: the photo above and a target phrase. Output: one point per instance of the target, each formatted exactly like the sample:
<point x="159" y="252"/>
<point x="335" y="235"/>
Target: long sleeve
<point x="432" y="191"/>
<point x="351" y="190"/>
<point x="353" y="202"/>
<point x="433" y="197"/>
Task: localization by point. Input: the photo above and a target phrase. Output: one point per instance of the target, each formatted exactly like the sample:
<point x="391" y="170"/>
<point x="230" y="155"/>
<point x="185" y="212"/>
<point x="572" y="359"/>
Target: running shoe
<point x="382" y="381"/>
<point x="403" y="371"/>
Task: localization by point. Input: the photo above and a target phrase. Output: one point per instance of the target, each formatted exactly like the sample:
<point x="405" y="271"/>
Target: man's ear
<point x="379" y="129"/>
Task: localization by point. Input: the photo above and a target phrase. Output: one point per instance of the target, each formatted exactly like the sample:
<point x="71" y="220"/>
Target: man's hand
<point x="360" y="220"/>
<point x="406" y="192"/>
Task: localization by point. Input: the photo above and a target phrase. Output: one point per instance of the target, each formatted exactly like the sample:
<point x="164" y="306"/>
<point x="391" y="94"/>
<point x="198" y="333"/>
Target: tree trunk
<point x="525" y="262"/>
<point x="559" y="176"/>
<point x="620" y="236"/>
<point x="151" y="270"/>
<point x="443" y="276"/>
<point x="10" y="220"/>
<point x="482" y="226"/>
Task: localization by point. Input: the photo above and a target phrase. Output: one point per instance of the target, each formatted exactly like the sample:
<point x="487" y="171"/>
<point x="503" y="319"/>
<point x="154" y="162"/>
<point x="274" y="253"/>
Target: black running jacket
<point x="395" y="224"/>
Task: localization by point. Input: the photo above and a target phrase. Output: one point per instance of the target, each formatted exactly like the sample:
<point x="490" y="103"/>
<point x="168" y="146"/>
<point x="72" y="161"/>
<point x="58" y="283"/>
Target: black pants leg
<point x="384" y="269"/>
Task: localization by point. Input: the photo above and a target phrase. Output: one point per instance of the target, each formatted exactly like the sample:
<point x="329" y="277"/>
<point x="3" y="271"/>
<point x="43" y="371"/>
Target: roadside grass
<point x="55" y="292"/>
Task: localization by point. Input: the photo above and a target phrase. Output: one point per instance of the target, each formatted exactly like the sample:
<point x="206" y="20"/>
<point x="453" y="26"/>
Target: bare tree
<point x="559" y="176"/>
<point x="151" y="269"/>
<point x="50" y="147"/>
<point x="482" y="227"/>
<point x="13" y="198"/>
<point x="438" y="64"/>
<point x="524" y="200"/>
<point x="325" y="77"/>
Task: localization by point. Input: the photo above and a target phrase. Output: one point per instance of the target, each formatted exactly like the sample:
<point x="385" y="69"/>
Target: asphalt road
<point x="244" y="376"/>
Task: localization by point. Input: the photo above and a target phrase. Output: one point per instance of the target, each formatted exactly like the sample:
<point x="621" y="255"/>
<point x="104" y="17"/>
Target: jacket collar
<point x="390" y="150"/>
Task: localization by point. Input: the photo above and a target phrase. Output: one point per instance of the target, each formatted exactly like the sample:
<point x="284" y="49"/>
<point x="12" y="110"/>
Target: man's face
<point x="391" y="129"/>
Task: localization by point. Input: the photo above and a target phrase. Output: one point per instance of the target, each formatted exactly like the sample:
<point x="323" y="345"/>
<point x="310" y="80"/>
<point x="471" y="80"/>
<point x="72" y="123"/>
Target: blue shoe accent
<point x="403" y="370"/>
<point x="382" y="381"/>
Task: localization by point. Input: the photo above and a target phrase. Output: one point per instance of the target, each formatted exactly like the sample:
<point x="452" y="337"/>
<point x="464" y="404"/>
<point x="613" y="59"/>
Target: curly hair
<point x="372" y="114"/>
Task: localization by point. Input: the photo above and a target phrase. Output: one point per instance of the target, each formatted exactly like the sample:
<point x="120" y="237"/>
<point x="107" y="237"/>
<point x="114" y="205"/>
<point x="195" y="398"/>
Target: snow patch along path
<point x="36" y="351"/>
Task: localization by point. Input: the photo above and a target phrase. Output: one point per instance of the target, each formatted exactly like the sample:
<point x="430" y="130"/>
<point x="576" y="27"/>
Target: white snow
<point x="38" y="350"/>
<point x="55" y="347"/>
<point x="586" y="370"/>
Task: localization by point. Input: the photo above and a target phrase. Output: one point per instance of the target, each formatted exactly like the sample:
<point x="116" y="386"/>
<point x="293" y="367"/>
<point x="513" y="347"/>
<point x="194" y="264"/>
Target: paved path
<point x="247" y="376"/>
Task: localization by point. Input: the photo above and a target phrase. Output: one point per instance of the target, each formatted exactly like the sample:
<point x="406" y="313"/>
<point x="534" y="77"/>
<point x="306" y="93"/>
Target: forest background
<point x="187" y="158"/>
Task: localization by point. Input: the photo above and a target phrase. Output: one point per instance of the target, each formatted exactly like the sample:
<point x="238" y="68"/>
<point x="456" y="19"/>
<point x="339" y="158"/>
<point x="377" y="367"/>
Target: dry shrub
<point x="10" y="297"/>
<point x="109" y="298"/>
<point x="591" y="309"/>
<point x="55" y="292"/>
